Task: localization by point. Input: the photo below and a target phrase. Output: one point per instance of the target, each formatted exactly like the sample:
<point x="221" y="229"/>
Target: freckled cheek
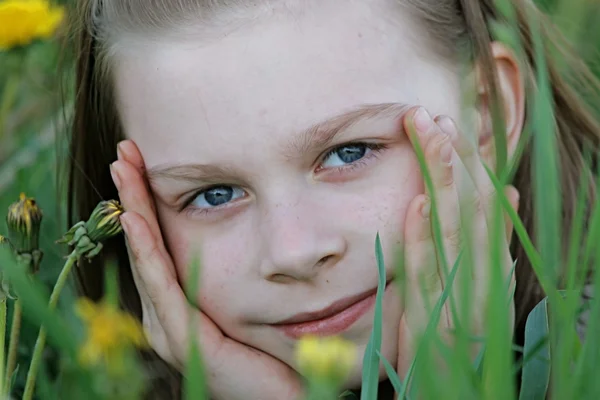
<point x="386" y="202"/>
<point x="226" y="282"/>
<point x="382" y="208"/>
<point x="223" y="266"/>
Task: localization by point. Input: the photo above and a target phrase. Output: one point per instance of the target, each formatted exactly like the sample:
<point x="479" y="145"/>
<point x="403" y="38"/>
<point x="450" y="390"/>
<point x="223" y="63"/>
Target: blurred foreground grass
<point x="33" y="132"/>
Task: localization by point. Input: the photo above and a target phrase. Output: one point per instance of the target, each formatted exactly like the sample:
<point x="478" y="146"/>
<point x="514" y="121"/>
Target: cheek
<point x="224" y="260"/>
<point x="383" y="204"/>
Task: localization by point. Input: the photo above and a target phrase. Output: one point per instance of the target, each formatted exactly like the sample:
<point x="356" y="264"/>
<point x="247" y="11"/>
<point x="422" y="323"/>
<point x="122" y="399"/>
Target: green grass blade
<point x="431" y="326"/>
<point x="577" y="231"/>
<point x="478" y="362"/>
<point x="536" y="368"/>
<point x="547" y="199"/>
<point x="586" y="369"/>
<point x="532" y="254"/>
<point x="497" y="365"/>
<point x="370" y="375"/>
<point x="391" y="373"/>
<point x="194" y="383"/>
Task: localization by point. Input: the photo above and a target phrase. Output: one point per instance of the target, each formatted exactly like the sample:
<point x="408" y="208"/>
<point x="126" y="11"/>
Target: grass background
<point x="35" y="131"/>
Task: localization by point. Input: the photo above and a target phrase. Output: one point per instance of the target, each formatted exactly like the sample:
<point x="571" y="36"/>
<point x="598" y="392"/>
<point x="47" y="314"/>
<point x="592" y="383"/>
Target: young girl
<point x="275" y="139"/>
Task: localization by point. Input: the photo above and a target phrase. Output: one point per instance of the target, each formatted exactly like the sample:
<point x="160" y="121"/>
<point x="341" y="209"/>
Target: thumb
<point x="512" y="194"/>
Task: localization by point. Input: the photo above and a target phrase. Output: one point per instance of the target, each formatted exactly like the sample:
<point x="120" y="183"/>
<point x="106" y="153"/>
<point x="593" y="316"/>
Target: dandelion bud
<point x="24" y="219"/>
<point x="104" y="222"/>
<point x="325" y="359"/>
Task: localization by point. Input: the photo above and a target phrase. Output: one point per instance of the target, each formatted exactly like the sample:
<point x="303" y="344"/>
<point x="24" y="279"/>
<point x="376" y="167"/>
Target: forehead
<point x="194" y="97"/>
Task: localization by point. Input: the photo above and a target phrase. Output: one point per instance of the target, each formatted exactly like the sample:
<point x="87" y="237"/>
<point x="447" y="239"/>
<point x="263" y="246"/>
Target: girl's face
<point x="275" y="152"/>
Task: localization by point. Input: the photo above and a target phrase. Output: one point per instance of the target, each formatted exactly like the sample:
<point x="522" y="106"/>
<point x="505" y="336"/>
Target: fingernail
<point x="426" y="208"/>
<point x="422" y="120"/>
<point x="120" y="151"/>
<point x="446" y="152"/>
<point x="447" y="126"/>
<point x="115" y="177"/>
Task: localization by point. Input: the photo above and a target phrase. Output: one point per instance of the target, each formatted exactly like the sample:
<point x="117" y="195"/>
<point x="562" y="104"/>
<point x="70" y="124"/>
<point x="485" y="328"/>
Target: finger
<point x="152" y="326"/>
<point x="482" y="234"/>
<point x="420" y="284"/>
<point x="128" y="151"/>
<point x="417" y="123"/>
<point x="439" y="156"/>
<point x="512" y="194"/>
<point x="513" y="197"/>
<point x="158" y="283"/>
<point x="422" y="278"/>
<point x="469" y="156"/>
<point x="134" y="196"/>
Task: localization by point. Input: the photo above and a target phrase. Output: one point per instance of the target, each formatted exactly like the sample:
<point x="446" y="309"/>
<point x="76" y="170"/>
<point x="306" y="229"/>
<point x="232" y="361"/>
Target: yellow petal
<point x="22" y="21"/>
<point x="85" y="309"/>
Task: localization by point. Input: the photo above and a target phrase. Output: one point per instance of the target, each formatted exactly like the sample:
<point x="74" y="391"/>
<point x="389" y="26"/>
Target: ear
<point x="512" y="92"/>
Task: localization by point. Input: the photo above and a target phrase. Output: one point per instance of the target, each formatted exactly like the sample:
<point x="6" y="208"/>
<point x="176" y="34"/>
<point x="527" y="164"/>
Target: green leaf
<point x="391" y="373"/>
<point x="370" y="375"/>
<point x="536" y="371"/>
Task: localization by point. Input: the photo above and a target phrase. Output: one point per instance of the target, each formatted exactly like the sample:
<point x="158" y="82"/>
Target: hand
<point x="446" y="150"/>
<point x="233" y="370"/>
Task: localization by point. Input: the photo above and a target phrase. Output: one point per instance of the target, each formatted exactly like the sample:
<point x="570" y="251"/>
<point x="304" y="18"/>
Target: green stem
<point x="9" y="96"/>
<point x="2" y="340"/>
<point x="36" y="358"/>
<point x="13" y="345"/>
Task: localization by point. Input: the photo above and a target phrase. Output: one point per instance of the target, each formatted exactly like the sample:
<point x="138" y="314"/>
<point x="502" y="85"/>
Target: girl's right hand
<point x="233" y="370"/>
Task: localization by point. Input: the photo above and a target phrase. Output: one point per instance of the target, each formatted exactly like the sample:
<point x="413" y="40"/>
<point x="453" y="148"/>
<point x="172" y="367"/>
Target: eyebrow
<point x="312" y="139"/>
<point x="321" y="134"/>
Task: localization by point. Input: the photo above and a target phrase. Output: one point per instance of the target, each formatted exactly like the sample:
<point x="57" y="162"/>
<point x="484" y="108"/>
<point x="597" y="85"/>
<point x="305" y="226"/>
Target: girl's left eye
<point x="216" y="196"/>
<point x="346" y="154"/>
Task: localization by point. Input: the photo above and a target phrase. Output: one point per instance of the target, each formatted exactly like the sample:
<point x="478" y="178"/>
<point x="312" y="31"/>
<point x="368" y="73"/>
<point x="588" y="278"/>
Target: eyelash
<point x="375" y="150"/>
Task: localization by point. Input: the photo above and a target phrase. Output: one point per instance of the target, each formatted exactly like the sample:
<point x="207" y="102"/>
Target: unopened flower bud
<point x="23" y="220"/>
<point x="104" y="222"/>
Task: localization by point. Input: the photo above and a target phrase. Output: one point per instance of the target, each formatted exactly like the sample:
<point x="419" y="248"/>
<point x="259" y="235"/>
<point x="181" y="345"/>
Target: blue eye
<point x="346" y="154"/>
<point x="217" y="196"/>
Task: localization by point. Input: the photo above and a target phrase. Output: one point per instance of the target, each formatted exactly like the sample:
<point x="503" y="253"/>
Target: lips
<point x="332" y="320"/>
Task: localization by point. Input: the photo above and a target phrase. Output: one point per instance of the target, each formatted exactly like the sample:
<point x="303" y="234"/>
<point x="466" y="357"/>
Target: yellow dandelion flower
<point x="110" y="333"/>
<point x="328" y="358"/>
<point x="23" y="21"/>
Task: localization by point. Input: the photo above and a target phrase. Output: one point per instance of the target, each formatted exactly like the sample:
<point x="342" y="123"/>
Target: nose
<point x="299" y="243"/>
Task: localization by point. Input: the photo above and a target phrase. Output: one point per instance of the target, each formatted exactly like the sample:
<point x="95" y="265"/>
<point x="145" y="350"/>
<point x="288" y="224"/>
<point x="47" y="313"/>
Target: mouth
<point x="332" y="320"/>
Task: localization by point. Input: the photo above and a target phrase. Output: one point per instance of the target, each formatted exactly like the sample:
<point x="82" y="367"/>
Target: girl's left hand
<point x="452" y="161"/>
